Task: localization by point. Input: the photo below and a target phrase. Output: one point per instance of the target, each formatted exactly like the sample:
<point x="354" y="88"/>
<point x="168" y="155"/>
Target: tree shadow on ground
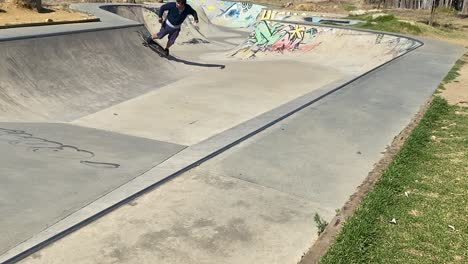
<point x="44" y="10"/>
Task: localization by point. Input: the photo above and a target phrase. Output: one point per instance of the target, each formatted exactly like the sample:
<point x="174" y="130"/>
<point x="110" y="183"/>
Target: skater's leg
<point x="172" y="38"/>
<point x="162" y="32"/>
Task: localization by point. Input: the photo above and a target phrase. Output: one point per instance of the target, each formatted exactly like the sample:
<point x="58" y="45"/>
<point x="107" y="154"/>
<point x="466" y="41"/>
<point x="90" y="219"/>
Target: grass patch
<point x="320" y="223"/>
<point x="447" y="10"/>
<point x="425" y="190"/>
<point x="349" y="7"/>
<point x="387" y="23"/>
<point x="453" y="73"/>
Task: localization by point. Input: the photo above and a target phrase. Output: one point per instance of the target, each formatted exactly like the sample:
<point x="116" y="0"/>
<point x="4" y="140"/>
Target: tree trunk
<point x="465" y="7"/>
<point x="433" y="9"/>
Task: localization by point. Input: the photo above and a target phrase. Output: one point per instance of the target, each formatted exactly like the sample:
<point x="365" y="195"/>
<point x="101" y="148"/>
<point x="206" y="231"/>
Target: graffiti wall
<point x="230" y="14"/>
<point x="271" y="14"/>
<point x="278" y="37"/>
<point x="271" y="37"/>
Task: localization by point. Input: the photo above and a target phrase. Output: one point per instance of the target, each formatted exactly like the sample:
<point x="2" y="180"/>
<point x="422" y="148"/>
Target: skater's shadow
<point x="159" y="50"/>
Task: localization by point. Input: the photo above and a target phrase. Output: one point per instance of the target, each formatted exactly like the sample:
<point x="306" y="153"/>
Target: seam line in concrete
<point x="298" y="197"/>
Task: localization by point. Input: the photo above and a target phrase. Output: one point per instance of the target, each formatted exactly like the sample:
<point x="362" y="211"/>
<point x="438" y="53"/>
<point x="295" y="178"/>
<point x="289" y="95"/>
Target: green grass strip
<point x="425" y="189"/>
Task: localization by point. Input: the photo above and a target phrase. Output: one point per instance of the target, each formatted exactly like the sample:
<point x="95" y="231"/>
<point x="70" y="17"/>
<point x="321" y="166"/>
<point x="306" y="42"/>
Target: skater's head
<point x="181" y="4"/>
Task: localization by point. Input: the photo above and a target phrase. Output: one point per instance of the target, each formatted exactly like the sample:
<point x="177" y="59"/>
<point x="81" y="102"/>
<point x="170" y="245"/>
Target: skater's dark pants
<point x="167" y="30"/>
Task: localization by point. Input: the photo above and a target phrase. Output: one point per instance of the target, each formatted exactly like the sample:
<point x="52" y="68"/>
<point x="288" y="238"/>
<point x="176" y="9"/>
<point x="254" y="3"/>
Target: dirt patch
<point x="12" y="15"/>
<point x="415" y="212"/>
<point x="456" y="92"/>
<point x="327" y="238"/>
<point x="415" y="252"/>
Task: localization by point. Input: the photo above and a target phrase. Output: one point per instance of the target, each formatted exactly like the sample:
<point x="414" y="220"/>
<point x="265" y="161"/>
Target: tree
<point x="465" y="7"/>
<point x="433" y="11"/>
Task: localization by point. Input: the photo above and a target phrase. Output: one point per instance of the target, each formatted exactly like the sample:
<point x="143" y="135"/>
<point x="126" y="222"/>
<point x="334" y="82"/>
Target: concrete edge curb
<point x="39" y="24"/>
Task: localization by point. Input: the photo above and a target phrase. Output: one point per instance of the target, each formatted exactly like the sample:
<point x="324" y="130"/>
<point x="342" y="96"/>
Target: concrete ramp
<point x="275" y="63"/>
<point x="328" y="45"/>
<point x="62" y="78"/>
<point x="230" y="14"/>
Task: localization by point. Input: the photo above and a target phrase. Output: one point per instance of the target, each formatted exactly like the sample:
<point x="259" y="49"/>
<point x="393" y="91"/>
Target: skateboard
<point x="156" y="47"/>
<point x="150" y="43"/>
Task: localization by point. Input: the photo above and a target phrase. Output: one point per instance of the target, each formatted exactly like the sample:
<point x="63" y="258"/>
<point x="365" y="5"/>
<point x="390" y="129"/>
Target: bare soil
<point x="456" y="92"/>
<point x="11" y="15"/>
<point x="448" y="26"/>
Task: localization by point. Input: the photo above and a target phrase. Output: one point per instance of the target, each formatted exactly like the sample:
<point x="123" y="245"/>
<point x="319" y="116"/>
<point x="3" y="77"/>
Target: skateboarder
<point x="177" y="13"/>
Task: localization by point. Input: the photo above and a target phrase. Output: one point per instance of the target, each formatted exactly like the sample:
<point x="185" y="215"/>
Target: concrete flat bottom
<point x="51" y="170"/>
<point x="196" y="218"/>
<point x="212" y="101"/>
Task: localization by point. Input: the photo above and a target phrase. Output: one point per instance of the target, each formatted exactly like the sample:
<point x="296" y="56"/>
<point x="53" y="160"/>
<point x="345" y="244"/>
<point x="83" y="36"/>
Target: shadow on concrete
<point x="154" y="46"/>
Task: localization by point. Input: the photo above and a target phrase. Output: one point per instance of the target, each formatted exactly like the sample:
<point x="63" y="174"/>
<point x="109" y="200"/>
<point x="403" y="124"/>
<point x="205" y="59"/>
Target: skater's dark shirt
<point x="174" y="17"/>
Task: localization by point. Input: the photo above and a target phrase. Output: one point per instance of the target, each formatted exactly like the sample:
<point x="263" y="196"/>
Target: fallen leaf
<point x="452" y="227"/>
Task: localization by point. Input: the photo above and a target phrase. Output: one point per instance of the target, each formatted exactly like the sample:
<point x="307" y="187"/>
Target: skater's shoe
<point x="166" y="51"/>
<point x="149" y="39"/>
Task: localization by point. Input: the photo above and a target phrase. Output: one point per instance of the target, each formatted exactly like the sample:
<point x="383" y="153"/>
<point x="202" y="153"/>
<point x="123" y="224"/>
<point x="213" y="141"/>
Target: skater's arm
<point x="162" y="9"/>
<point x="194" y="14"/>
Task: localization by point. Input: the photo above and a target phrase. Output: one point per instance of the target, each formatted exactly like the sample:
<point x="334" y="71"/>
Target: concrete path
<point x="255" y="201"/>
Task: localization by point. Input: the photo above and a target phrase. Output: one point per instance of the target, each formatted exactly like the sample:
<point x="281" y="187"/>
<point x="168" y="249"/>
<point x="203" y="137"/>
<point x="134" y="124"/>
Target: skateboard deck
<point x="156" y="47"/>
<point x="150" y="43"/>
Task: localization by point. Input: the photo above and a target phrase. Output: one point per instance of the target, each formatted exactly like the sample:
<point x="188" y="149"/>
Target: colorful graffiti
<point x="274" y="37"/>
<point x="268" y="14"/>
<point x="279" y="37"/>
<point x="230" y="14"/>
<point x="398" y="45"/>
<point x="45" y="147"/>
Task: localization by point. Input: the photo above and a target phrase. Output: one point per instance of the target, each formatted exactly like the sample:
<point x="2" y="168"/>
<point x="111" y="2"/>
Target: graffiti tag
<point x="278" y="37"/>
<point x="43" y="146"/>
